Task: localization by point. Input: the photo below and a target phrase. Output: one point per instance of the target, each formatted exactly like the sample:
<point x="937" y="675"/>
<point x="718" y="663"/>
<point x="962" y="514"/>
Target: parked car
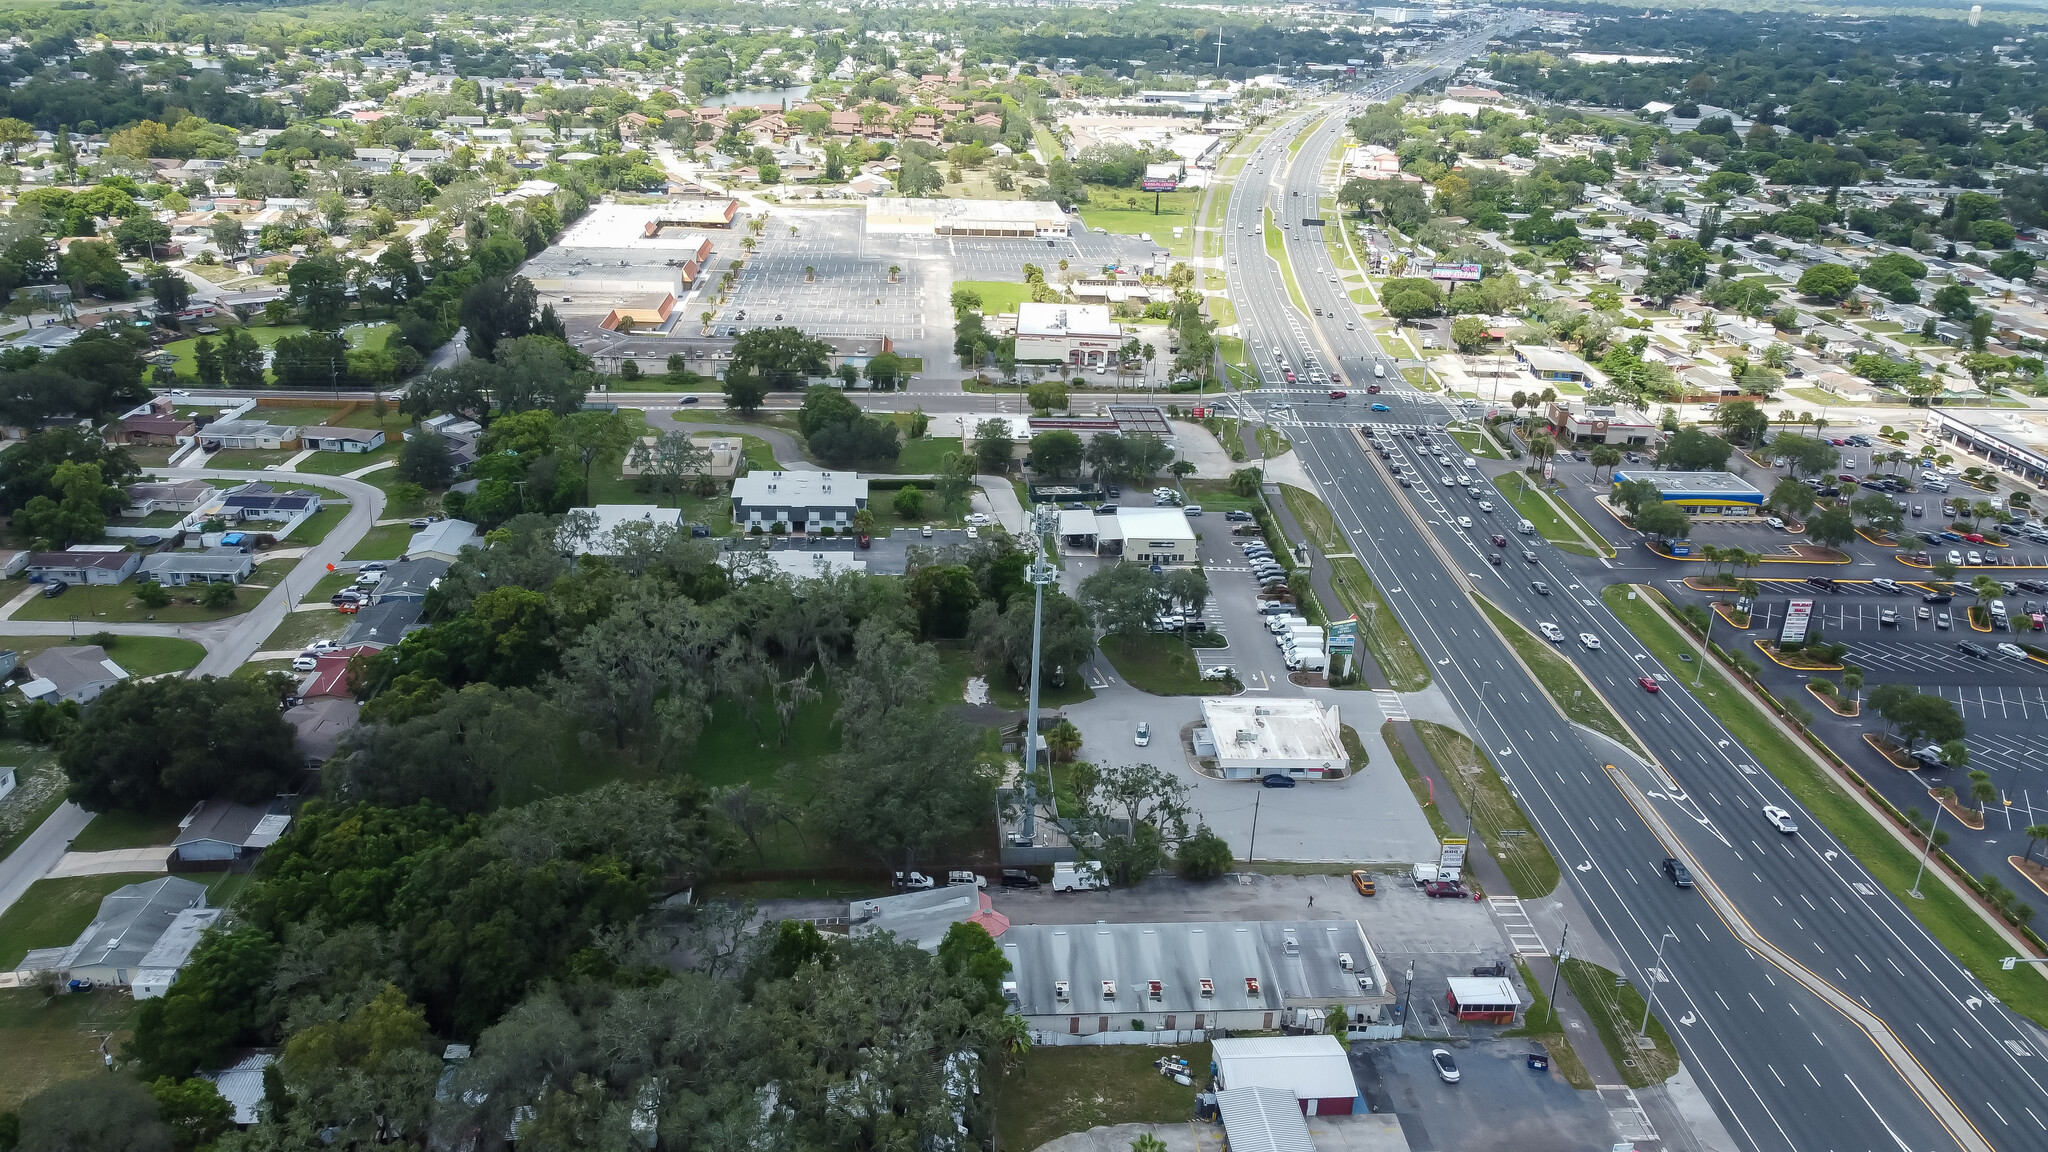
<point x="55" y="588"/>
<point x="1144" y="736"/>
<point x="1445" y="890"/>
<point x="1364" y="883"/>
<point x="304" y="663"/>
<point x="1018" y="878"/>
<point x="1277" y="780"/>
<point x="913" y="881"/>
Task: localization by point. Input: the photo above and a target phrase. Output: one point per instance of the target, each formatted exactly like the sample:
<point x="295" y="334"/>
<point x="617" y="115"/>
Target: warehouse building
<point x="1253" y="738"/>
<point x="1084" y="979"/>
<point x="1314" y="1070"/>
<point x="1000" y="219"/>
<point x="1701" y="493"/>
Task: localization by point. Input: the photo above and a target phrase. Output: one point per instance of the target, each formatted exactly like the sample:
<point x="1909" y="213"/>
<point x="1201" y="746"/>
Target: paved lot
<point x="1498" y="1101"/>
<point x="1233" y="611"/>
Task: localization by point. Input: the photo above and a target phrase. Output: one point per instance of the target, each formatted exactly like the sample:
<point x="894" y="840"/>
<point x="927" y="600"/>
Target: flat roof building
<point x="924" y="918"/>
<point x="1074" y="334"/>
<point x="916" y="216"/>
<point x="1293" y="736"/>
<point x="804" y="500"/>
<point x="1084" y="979"/>
<point x="2013" y="443"/>
<point x="1156" y="535"/>
<point x="1710" y="493"/>
<point x="1551" y="364"/>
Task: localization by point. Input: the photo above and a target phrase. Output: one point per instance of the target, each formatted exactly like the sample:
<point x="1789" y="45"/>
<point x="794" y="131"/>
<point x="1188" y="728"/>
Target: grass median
<point x="1951" y="919"/>
<point x="1617" y="1011"/>
<point x="1425" y="796"/>
<point x="1276" y="247"/>
<point x="1553" y="518"/>
<point x="1390" y="644"/>
<point x="1579" y="700"/>
<point x="1497" y="817"/>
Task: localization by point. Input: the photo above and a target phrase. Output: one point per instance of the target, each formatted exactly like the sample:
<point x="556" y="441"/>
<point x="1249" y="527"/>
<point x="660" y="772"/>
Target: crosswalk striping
<point x="1521" y="931"/>
<point x="1391" y="704"/>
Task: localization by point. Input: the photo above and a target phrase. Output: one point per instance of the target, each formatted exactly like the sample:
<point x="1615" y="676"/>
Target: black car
<point x="1018" y="878"/>
<point x="1824" y="583"/>
<point x="1972" y="648"/>
<point x="1936" y="598"/>
<point x="1677" y="872"/>
<point x="1277" y="780"/>
<point x="54" y="589"/>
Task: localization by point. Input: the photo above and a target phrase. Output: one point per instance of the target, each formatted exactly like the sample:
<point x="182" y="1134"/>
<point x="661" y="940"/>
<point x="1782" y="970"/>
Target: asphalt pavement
<point x="1782" y="1068"/>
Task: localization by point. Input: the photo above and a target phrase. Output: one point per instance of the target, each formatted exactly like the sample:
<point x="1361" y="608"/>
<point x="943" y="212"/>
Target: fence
<point x="1161" y="1038"/>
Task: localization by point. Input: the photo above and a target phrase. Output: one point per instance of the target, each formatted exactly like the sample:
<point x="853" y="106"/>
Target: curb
<point x="1773" y="658"/>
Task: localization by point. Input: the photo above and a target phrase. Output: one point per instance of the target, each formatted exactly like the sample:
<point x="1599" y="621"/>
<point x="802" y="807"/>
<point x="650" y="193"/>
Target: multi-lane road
<point x="1809" y="1005"/>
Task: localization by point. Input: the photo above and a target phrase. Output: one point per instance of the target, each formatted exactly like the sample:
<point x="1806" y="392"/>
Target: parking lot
<point x="1233" y="610"/>
<point x="1498" y="1102"/>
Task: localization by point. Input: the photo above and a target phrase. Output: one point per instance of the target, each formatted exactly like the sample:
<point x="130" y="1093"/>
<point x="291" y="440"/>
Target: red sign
<point x="1201" y="413"/>
<point x="330" y="567"/>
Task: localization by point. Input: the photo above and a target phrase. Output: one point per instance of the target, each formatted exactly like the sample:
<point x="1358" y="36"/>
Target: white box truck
<point x="1308" y="662"/>
<point x="1077" y="876"/>
<point x="1278" y="624"/>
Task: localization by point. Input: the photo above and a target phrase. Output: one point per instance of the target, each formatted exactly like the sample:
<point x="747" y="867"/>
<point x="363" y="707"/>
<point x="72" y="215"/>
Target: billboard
<point x="1798" y="615"/>
<point x="1465" y="273"/>
<point x="1159" y="184"/>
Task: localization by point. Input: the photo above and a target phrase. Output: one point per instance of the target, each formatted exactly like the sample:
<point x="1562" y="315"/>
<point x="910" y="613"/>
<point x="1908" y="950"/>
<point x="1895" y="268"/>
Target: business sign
<point x="1159" y="184"/>
<point x="1461" y="272"/>
<point x="1343" y="636"/>
<point x="1451" y="859"/>
<point x="1798" y="615"/>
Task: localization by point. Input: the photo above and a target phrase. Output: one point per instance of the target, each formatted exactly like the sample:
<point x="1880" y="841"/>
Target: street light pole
<point x="1657" y="973"/>
<point x="1706" y="646"/>
<point x="1925" y="850"/>
<point x="1556" y="969"/>
<point x="1251" y="851"/>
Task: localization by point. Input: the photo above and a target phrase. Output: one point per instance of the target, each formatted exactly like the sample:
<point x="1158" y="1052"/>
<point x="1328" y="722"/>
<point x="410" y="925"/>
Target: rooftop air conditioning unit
<point x="1059" y="989"/>
<point x="1208" y="986"/>
<point x="1365" y="981"/>
<point x="1344" y="961"/>
<point x="1109" y="989"/>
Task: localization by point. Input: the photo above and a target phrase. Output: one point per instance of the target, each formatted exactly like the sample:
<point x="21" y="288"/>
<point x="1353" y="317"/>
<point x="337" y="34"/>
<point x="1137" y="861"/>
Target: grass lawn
<point x="1617" y="1013"/>
<point x="1549" y="516"/>
<point x="318" y="525"/>
<point x="1390" y="644"/>
<point x="957" y="663"/>
<point x="1541" y="1025"/>
<point x="130" y="830"/>
<point x="1581" y="702"/>
<point x="1130" y="213"/>
<point x="324" y="589"/>
<point x="383" y="542"/>
<point x="1953" y="921"/>
<point x="1315" y="519"/>
<point x="299" y="629"/>
<point x="45" y="1041"/>
<point x="1221" y="310"/>
<point x="140" y="655"/>
<point x="997" y="296"/>
<point x="1479" y="444"/>
<point x="1523" y="857"/>
<point x="102" y="604"/>
<point x="342" y="463"/>
<point x="53" y="912"/>
<point x="1161" y="665"/>
<point x="359" y="336"/>
<point x="1054" y="1091"/>
<point x="1416" y="784"/>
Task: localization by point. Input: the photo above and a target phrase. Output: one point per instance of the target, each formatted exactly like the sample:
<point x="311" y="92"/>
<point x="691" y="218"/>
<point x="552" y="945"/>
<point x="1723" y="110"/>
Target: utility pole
<point x="1251" y="851"/>
<point x="1040" y="574"/>
<point x="1656" y="974"/>
<point x="1563" y="954"/>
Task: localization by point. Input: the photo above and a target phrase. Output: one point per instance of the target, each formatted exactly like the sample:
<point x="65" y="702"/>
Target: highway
<point x="1784" y="1067"/>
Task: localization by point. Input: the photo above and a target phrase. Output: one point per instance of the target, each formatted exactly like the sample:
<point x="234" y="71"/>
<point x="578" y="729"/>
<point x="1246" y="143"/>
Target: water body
<point x="759" y="97"/>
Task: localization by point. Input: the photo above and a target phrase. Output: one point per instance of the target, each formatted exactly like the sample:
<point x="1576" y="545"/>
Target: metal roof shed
<point x="1262" y="1120"/>
<point x="1490" y="998"/>
<point x="1315" y="1069"/>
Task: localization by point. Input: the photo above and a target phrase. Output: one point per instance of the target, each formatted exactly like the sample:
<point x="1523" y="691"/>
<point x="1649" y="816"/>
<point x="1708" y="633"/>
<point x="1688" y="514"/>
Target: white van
<point x="1379" y="371"/>
<point x="1525" y="528"/>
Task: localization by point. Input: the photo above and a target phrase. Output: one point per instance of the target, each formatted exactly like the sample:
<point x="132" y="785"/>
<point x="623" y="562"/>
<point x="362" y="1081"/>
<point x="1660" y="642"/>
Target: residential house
<point x="319" y="724"/>
<point x="443" y="540"/>
<point x="222" y="830"/>
<point x="150" y="928"/>
<point x="156" y="428"/>
<point x="382" y="625"/>
<point x="598" y="531"/>
<point x="409" y="579"/>
<point x="168" y="496"/>
<point x="260" y="501"/>
<point x="84" y="564"/>
<point x="321" y="438"/>
<point x="249" y="434"/>
<point x="213" y="566"/>
<point x="79" y="674"/>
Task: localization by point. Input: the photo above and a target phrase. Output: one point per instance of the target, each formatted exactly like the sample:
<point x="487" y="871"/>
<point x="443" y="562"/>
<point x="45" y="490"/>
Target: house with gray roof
<point x="213" y="566"/>
<point x="225" y="830"/>
<point x="131" y="922"/>
<point x="442" y="540"/>
<point x="79" y="674"/>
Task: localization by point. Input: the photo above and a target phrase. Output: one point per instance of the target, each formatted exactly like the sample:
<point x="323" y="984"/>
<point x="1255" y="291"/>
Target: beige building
<point x="1016" y="219"/>
<point x="1072" y="334"/>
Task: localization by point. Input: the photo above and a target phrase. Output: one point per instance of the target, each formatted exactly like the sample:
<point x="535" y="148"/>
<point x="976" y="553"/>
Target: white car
<point x="1551" y="632"/>
<point x="304" y="664"/>
<point x="973" y="533"/>
<point x="978" y="518"/>
<point x="1974" y="556"/>
<point x="1219" y="672"/>
<point x="1486" y="505"/>
<point x="1774" y="522"/>
<point x="2012" y="650"/>
<point x="319" y="646"/>
<point x="1144" y="736"/>
<point x="179" y="392"/>
<point x="1464" y="521"/>
<point x="1955" y="557"/>
<point x="1589" y="642"/>
<point x="1780" y="819"/>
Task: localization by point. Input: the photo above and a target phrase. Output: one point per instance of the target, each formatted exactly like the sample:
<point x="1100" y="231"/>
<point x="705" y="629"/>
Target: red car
<point x="1372" y="389"/>
<point x="1337" y="395"/>
<point x="1974" y="537"/>
<point x="1444" y="890"/>
<point x="1649" y="684"/>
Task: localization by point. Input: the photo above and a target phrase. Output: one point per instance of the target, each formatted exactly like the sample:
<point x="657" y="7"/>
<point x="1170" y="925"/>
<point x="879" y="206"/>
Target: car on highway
<point x="1338" y="394"/>
<point x="1381" y="408"/>
<point x="1465" y="522"/>
<point x="1589" y="642"/>
<point x="1649" y="684"/>
<point x="1528" y="556"/>
<point x="1495" y="559"/>
<point x="1539" y="587"/>
<point x="1497" y="540"/>
<point x="1677" y="872"/>
<point x="1780" y="819"/>
<point x="1551" y="632"/>
<point x="1277" y="780"/>
<point x="1486" y="505"/>
<point x="1446" y="1068"/>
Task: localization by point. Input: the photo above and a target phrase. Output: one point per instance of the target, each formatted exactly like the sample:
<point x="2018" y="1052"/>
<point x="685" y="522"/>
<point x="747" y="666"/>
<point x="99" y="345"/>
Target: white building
<point x="802" y="500"/>
<point x="443" y="540"/>
<point x="1013" y="219"/>
<point x="1295" y="737"/>
<point x="597" y="531"/>
<point x="1075" y="334"/>
<point x="1156" y="535"/>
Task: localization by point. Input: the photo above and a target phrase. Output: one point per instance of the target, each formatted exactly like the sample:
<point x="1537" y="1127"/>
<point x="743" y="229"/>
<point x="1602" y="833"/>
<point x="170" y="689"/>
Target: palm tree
<point x="1542" y="447"/>
<point x="1982" y="790"/>
<point x="2035" y="834"/>
<point x="1062" y="740"/>
<point x="1986" y="590"/>
<point x="1606" y="456"/>
<point x="1852" y="679"/>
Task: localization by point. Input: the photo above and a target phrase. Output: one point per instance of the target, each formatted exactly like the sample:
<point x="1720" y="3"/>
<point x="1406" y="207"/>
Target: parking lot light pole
<point x="1706" y="646"/>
